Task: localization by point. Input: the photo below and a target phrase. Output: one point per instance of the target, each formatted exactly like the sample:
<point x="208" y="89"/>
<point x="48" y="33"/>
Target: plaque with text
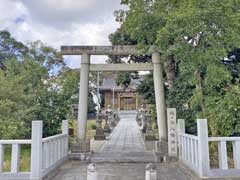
<point x="172" y="131"/>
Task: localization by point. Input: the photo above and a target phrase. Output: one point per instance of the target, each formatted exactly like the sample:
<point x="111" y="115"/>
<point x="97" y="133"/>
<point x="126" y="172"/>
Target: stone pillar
<point x="83" y="97"/>
<point x="36" y="151"/>
<point x="151" y="172"/>
<point x="159" y="96"/>
<point x="92" y="172"/>
<point x="203" y="148"/>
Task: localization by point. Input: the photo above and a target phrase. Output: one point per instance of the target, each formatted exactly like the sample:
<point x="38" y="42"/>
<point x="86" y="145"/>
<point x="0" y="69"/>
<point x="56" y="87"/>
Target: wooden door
<point x="128" y="103"/>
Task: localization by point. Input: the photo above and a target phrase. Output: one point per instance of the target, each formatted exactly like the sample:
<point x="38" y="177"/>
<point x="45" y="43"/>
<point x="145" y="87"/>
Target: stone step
<point x="124" y="157"/>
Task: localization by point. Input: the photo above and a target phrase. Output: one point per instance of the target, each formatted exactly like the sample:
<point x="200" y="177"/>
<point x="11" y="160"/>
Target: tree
<point x="18" y="97"/>
<point x="31" y="87"/>
<point x="10" y="48"/>
<point x="146" y="89"/>
<point x="124" y="78"/>
<point x="200" y="34"/>
<point x="194" y="37"/>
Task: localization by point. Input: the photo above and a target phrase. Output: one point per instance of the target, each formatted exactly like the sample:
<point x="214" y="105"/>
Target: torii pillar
<point x="159" y="96"/>
<point x="83" y="144"/>
<point x="83" y="97"/>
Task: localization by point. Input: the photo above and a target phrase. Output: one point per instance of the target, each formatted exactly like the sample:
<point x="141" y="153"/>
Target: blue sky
<point x="61" y="22"/>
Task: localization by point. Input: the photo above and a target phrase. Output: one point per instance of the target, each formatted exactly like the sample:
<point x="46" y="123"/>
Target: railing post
<point x="181" y="125"/>
<point x="222" y="155"/>
<point x="15" y="158"/>
<point x="236" y="154"/>
<point x="203" y="149"/>
<point x="65" y="126"/>
<point x="1" y="157"/>
<point x="44" y="155"/>
<point x="36" y="151"/>
<point x="180" y="129"/>
<point x="65" y="131"/>
<point x="51" y="152"/>
<point x="47" y="155"/>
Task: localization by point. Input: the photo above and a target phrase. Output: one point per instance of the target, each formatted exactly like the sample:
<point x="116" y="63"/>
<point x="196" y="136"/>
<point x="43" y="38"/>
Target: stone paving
<point x="122" y="171"/>
<point x="126" y="136"/>
<point x="123" y="157"/>
<point x="125" y="143"/>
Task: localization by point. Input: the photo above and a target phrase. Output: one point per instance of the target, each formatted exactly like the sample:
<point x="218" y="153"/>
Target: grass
<point x="91" y="132"/>
<point x="25" y="156"/>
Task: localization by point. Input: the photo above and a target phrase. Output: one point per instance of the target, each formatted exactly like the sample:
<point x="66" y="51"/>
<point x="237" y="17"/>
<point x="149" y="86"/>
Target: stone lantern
<point x="99" y="131"/>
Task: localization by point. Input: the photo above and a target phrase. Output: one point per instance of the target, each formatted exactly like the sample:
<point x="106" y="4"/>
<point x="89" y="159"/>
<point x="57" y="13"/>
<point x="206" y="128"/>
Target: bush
<point x="93" y="126"/>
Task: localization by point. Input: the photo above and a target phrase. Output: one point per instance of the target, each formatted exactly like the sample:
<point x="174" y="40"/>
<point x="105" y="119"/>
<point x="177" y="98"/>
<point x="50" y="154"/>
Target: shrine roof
<point x="110" y="84"/>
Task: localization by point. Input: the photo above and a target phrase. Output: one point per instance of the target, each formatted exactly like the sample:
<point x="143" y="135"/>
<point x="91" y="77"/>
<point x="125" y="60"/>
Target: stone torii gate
<point x="86" y="51"/>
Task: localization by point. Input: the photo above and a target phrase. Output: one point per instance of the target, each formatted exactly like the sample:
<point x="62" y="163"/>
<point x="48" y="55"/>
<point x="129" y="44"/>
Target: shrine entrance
<point x="128" y="102"/>
<point x="125" y="102"/>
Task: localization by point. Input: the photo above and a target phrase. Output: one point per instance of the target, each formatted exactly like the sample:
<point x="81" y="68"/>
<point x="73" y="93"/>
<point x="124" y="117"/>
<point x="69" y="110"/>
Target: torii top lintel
<point x="100" y="50"/>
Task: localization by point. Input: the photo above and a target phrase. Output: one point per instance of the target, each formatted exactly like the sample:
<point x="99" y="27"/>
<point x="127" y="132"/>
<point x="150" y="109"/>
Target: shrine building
<point x="120" y="97"/>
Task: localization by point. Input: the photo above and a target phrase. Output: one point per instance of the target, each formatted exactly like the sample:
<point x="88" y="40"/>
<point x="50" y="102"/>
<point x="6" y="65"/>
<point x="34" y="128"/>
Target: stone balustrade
<point x="194" y="152"/>
<point x="47" y="154"/>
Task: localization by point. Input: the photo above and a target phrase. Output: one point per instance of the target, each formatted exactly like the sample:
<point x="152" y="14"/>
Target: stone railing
<point x="194" y="152"/>
<point x="55" y="150"/>
<point x="188" y="147"/>
<point x="46" y="154"/>
<point x="224" y="169"/>
<point x="14" y="172"/>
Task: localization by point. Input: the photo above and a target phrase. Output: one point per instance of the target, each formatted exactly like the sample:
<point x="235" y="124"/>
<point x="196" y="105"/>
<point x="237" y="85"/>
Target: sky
<point x="61" y="22"/>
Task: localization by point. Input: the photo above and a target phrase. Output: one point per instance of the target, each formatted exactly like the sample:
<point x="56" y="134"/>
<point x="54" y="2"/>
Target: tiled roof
<point x="110" y="83"/>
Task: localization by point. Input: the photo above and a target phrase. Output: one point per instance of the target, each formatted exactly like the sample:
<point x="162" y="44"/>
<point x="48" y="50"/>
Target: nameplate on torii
<point x="101" y="50"/>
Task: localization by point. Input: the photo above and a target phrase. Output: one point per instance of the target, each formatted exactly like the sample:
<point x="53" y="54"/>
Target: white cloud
<point x="65" y="12"/>
<point x="75" y="61"/>
<point x="60" y="22"/>
<point x="10" y="11"/>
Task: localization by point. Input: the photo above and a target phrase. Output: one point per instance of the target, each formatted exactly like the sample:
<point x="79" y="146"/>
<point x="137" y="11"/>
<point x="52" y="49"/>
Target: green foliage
<point x="10" y="48"/>
<point x="93" y="126"/>
<point x="200" y="35"/>
<point x="124" y="78"/>
<point x="146" y="89"/>
<point x="196" y="36"/>
<point x="179" y="98"/>
<point x="17" y="101"/>
<point x="224" y="114"/>
<point x="35" y="84"/>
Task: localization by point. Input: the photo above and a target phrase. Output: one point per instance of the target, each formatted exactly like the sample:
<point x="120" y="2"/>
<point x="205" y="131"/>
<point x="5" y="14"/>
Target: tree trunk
<point x="170" y="71"/>
<point x="199" y="88"/>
